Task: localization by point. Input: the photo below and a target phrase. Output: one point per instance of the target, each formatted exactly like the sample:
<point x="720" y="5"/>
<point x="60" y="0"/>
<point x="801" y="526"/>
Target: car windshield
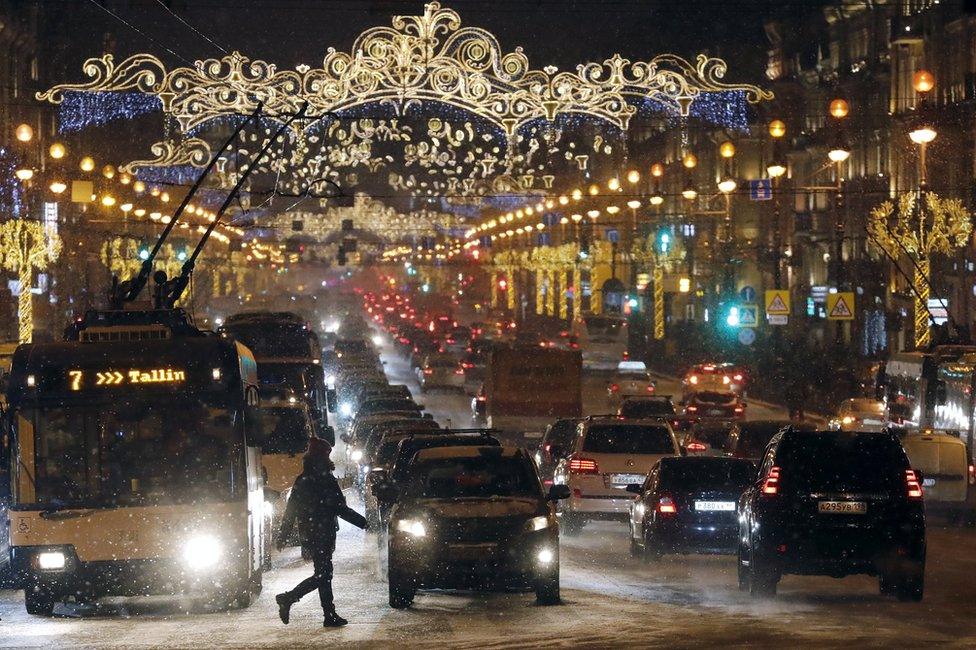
<point x="130" y="452"/>
<point x="841" y="461"/>
<point x="472" y="477"/>
<point x="628" y="439"/>
<point x="646" y="408"/>
<point x="270" y="339"/>
<point x="286" y="430"/>
<point x="293" y="375"/>
<point x="707" y="473"/>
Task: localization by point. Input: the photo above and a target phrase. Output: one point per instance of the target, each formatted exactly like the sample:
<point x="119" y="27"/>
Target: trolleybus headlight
<point x="536" y="523"/>
<point x="412" y="527"/>
<point x="202" y="551"/>
<point x="345" y="409"/>
<point x="330" y="381"/>
<point x="356" y="455"/>
<point x="51" y="561"/>
<point x="545" y="556"/>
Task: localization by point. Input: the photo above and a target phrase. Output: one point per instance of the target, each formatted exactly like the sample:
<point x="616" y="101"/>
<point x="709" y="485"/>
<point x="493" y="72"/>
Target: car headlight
<point x="51" y="561"/>
<point x="330" y="380"/>
<point x="536" y="523"/>
<point x="412" y="527"/>
<point x="377" y="339"/>
<point x="202" y="551"/>
<point x="545" y="556"/>
<point x="345" y="409"/>
<point x="847" y="420"/>
<point x="356" y="455"/>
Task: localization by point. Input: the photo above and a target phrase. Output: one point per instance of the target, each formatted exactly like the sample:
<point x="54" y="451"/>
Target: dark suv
<point x="471" y="517"/>
<point x="833" y="503"/>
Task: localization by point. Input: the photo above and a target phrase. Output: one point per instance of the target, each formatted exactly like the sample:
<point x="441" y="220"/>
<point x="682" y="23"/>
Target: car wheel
<point x="652" y="550"/>
<point x="571" y="525"/>
<point x="743" y="569"/>
<point x="910" y="586"/>
<point x="402" y="589"/>
<point x="762" y="579"/>
<point x="39" y="601"/>
<point x="547" y="589"/>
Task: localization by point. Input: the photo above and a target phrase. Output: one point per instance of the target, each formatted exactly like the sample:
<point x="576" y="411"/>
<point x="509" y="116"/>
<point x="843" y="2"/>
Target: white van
<point x="947" y="476"/>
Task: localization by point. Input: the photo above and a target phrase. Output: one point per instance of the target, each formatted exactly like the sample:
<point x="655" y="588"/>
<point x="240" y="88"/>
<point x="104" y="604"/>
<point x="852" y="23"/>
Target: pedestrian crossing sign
<point x="748" y="315"/>
<point x="840" y="305"/>
<point x="777" y="302"/>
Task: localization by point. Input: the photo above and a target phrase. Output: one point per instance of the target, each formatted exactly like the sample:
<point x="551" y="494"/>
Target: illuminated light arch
<point x="419" y="58"/>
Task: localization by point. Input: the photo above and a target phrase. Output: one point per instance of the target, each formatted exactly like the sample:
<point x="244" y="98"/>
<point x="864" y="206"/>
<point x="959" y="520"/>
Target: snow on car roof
<point x="631" y="366"/>
<point x="437" y="453"/>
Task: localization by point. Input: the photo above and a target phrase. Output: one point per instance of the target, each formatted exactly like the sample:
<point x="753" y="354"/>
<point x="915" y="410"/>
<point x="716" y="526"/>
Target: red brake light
<point x="737" y="377"/>
<point x="583" y="466"/>
<point x="428" y="371"/>
<point x="574" y="346"/>
<point x="739" y="409"/>
<point x="650" y="389"/>
<point x="459" y="371"/>
<point x="614" y="388"/>
<point x="692" y="409"/>
<point x="914" y="488"/>
<point x="467" y="364"/>
<point x="665" y="505"/>
<point x="626" y="355"/>
<point x="696" y="446"/>
<point x="771" y="484"/>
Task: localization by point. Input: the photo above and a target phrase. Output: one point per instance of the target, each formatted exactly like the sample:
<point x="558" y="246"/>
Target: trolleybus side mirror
<point x="328" y="433"/>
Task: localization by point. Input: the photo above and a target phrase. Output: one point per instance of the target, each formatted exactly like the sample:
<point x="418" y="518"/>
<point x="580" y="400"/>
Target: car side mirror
<point x="331" y="400"/>
<point x="558" y="492"/>
<point x="634" y="488"/>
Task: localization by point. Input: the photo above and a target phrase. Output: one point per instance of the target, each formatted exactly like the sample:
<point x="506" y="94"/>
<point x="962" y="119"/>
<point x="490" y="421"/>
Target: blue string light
<point x="80" y="110"/>
<point x="11" y="190"/>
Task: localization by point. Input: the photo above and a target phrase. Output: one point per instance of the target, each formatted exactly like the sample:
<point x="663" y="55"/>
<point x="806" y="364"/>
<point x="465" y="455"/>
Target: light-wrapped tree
<point x="25" y="247"/>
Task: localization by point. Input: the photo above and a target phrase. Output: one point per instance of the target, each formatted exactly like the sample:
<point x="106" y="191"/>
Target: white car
<point x="440" y="371"/>
<point x="606" y="456"/>
<point x="860" y="414"/>
<point x="630" y="380"/>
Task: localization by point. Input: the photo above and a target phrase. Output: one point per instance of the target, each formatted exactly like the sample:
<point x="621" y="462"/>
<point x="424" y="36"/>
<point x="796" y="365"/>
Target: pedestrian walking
<point x="315" y="505"/>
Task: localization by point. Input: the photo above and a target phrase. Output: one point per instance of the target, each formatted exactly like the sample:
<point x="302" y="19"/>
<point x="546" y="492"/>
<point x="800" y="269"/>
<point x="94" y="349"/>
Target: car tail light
<point x="578" y="465"/>
<point x="428" y="371"/>
<point x="459" y="371"/>
<point x="650" y="389"/>
<point x="696" y="446"/>
<point x="737" y="377"/>
<point x="693" y="379"/>
<point x="467" y="364"/>
<point x="692" y="409"/>
<point x="665" y="505"/>
<point x="626" y="355"/>
<point x="740" y="409"/>
<point x="481" y="398"/>
<point x="726" y="380"/>
<point x="911" y="481"/>
<point x="771" y="484"/>
<point x="574" y="346"/>
<point x="972" y="474"/>
<point x="614" y="388"/>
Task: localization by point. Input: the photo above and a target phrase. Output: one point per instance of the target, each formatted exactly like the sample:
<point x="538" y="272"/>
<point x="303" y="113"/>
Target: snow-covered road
<point x="609" y="600"/>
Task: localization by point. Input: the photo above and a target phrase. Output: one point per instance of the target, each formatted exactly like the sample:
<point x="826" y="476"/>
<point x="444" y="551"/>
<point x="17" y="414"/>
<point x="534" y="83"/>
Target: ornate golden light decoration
<point x="420" y="58"/>
<point x="25" y="247"/>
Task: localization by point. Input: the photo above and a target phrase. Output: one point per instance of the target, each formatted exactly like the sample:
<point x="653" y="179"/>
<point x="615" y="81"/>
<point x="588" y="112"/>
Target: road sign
<point x="777" y="302"/>
<point x="748" y="294"/>
<point x="761" y="189"/>
<point x="747" y="336"/>
<point x="613" y="235"/>
<point x="748" y="315"/>
<point x="777" y="319"/>
<point x="840" y="305"/>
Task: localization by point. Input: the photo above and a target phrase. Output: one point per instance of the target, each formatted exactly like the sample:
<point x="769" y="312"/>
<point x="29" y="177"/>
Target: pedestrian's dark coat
<point x="315" y="505"/>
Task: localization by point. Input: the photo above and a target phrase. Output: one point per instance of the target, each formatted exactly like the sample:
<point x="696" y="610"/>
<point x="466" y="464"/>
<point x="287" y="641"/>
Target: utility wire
<point x="192" y="28"/>
<point x="139" y="31"/>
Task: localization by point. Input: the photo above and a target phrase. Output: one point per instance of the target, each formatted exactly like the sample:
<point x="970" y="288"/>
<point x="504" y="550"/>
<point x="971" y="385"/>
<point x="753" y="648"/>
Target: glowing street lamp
<point x="727" y="185"/>
<point x="24" y="133"/>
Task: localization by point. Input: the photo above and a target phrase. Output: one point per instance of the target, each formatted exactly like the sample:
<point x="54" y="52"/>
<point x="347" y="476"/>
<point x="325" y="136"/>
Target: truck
<point x="527" y="388"/>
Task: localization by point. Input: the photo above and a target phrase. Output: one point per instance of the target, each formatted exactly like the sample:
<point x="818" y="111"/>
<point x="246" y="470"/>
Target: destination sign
<point x="85" y="379"/>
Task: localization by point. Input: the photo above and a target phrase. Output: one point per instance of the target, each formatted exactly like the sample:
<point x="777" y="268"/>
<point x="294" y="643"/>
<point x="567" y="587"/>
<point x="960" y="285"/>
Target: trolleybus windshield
<point x="135" y="451"/>
<point x="275" y="340"/>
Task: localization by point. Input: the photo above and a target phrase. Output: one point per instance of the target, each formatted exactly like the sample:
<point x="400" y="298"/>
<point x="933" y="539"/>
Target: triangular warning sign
<point x="841" y="310"/>
<point x="747" y="317"/>
<point x="777" y="306"/>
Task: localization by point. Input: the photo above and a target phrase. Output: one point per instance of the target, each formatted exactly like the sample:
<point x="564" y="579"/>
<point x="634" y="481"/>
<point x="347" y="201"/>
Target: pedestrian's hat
<point x="318" y="447"/>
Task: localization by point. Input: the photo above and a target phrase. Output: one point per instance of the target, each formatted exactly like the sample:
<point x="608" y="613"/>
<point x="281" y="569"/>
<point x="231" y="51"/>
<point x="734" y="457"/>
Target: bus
<point x="136" y="464"/>
<point x="603" y="340"/>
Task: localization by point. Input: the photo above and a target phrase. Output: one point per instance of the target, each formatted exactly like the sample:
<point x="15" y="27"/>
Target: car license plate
<point x="472" y="551"/>
<point x="713" y="506"/>
<point x="716" y="412"/>
<point x="928" y="482"/>
<point x="626" y="479"/>
<point x="842" y="507"/>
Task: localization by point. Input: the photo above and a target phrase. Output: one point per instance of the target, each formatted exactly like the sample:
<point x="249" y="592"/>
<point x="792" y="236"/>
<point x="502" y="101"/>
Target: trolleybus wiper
<point x="129" y="290"/>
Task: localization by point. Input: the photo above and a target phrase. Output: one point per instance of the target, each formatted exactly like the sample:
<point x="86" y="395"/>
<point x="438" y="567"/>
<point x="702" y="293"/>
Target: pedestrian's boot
<point x="285" y="602"/>
<point x="334" y="620"/>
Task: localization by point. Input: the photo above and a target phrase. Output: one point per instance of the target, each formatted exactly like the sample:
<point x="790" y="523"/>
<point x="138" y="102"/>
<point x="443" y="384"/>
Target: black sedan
<point x="688" y="505"/>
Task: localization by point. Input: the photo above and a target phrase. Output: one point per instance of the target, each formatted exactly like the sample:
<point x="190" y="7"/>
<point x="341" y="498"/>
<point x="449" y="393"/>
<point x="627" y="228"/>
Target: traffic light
<point x="502" y="284"/>
<point x="663" y="241"/>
